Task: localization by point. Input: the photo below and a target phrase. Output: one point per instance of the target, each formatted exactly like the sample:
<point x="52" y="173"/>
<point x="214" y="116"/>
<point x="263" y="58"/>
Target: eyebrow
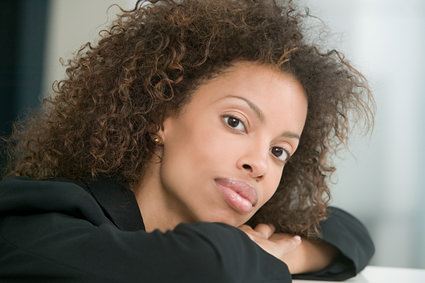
<point x="251" y="105"/>
<point x="260" y="116"/>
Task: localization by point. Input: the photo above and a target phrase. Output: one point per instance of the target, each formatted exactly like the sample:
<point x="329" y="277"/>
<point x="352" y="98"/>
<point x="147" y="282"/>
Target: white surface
<point x="377" y="274"/>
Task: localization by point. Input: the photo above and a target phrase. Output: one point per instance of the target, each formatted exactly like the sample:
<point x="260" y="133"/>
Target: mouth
<point x="238" y="194"/>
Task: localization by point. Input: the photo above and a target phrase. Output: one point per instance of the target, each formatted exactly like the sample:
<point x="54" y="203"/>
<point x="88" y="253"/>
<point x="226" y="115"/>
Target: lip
<point x="238" y="194"/>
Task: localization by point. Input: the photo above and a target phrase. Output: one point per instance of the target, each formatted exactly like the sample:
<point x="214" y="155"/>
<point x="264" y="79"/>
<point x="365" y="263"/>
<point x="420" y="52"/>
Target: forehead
<point x="248" y="79"/>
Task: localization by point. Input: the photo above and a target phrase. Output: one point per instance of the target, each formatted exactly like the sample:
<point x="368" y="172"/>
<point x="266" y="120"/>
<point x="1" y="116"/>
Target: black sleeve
<point x="56" y="247"/>
<point x="353" y="241"/>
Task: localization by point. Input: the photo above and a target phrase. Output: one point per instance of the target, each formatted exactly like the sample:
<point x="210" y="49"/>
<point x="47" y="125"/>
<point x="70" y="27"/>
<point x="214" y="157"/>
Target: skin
<point x="228" y="133"/>
<point x="300" y="255"/>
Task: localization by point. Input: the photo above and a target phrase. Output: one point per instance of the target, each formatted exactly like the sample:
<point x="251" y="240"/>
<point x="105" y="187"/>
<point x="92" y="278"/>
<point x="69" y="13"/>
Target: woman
<point x="191" y="144"/>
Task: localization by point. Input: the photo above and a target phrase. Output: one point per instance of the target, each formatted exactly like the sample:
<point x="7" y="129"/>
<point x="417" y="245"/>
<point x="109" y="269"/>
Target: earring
<point x="157" y="140"/>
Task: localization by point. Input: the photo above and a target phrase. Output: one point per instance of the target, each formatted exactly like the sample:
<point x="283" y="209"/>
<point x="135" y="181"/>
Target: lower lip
<point x="234" y="200"/>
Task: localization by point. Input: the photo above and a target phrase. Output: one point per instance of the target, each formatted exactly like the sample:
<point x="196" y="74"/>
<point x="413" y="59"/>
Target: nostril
<point x="246" y="166"/>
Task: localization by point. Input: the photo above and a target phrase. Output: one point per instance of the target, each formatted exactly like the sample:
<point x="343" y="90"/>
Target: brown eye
<point x="280" y="153"/>
<point x="234" y="123"/>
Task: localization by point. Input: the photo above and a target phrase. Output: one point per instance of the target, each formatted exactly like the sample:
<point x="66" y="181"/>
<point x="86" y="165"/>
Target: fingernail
<point x="297" y="238"/>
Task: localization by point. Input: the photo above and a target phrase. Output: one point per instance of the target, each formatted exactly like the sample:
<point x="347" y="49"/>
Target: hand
<point x="279" y="245"/>
<point x="310" y="256"/>
<point x="301" y="256"/>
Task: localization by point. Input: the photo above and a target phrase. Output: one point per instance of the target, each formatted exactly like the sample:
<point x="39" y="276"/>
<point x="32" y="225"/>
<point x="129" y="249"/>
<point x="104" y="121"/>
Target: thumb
<point x="266" y="230"/>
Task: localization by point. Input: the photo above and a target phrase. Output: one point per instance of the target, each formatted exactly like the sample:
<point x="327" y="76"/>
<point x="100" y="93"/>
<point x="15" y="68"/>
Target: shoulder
<point x="27" y="196"/>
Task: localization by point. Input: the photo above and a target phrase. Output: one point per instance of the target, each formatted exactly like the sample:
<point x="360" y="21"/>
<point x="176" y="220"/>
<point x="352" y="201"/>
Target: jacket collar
<point x="118" y="202"/>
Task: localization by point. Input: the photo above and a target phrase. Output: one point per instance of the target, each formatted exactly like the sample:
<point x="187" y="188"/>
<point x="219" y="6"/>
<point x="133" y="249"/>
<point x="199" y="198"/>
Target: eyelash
<point x="239" y="122"/>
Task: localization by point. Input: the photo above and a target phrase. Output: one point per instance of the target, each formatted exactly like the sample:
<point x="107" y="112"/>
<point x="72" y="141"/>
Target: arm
<point x="343" y="250"/>
<point x="55" y="231"/>
<point x="301" y="255"/>
<point x="72" y="249"/>
<point x="350" y="237"/>
<point x="311" y="255"/>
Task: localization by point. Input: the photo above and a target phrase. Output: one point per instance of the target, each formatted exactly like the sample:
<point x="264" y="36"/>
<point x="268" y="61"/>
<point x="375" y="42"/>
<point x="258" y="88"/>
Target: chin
<point x="229" y="220"/>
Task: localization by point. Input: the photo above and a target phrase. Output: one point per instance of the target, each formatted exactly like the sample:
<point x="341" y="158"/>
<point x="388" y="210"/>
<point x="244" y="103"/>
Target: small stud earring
<point x="157" y="140"/>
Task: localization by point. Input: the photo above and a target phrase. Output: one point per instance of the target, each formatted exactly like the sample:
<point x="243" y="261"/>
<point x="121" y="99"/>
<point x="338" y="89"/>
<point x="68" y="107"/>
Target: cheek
<point x="272" y="184"/>
<point x="208" y="146"/>
<point x="212" y="146"/>
<point x="200" y="150"/>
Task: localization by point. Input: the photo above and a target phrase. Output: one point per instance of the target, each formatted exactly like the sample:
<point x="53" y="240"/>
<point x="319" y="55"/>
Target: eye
<point x="280" y="153"/>
<point x="234" y="123"/>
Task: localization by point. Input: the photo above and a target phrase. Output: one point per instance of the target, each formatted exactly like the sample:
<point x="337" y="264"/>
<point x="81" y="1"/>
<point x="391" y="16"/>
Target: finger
<point x="248" y="231"/>
<point x="286" y="242"/>
<point x="245" y="228"/>
<point x="293" y="243"/>
<point x="266" y="230"/>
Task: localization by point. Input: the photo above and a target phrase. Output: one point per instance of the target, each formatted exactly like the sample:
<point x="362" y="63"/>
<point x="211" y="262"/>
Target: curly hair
<point x="148" y="63"/>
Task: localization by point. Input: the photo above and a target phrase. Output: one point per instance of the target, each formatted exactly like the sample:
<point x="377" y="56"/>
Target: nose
<point x="254" y="163"/>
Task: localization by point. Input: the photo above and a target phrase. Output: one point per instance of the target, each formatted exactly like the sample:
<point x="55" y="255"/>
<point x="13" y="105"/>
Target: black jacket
<point x="60" y="230"/>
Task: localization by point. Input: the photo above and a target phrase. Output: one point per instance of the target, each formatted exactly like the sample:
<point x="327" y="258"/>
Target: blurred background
<point x="381" y="180"/>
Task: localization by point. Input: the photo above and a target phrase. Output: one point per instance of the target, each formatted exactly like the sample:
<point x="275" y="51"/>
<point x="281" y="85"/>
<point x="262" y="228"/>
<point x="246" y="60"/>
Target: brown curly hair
<point x="147" y="64"/>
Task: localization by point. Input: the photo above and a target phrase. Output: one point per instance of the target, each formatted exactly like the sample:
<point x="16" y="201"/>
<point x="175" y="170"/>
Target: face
<point x="224" y="153"/>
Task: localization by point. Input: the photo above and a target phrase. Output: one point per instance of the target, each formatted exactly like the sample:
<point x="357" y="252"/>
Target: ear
<point x="164" y="128"/>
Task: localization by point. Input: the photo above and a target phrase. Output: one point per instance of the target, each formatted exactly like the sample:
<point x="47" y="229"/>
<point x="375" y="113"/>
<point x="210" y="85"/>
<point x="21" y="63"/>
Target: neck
<point x="159" y="209"/>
